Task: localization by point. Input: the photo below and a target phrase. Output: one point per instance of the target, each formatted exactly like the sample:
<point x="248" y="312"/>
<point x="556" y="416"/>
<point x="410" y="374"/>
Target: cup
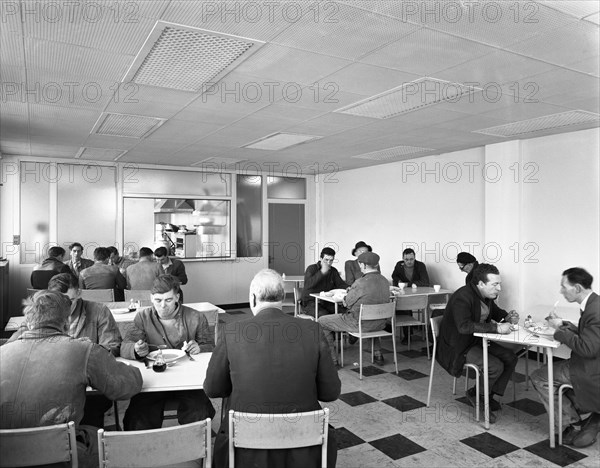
<point x="401" y="285"/>
<point x="437" y="287"/>
<point x="414" y="286"/>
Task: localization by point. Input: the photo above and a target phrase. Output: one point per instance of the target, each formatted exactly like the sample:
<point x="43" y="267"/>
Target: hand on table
<point x="504" y="328"/>
<point x="191" y="347"/>
<point x="141" y="348"/>
<point x="555" y="323"/>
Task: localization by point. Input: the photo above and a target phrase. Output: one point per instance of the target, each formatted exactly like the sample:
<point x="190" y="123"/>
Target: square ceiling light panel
<point x="126" y="125"/>
<point x="186" y="58"/>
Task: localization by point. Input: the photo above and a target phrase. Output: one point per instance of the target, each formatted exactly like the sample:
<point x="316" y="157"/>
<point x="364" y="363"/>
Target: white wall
<point x="531" y="207"/>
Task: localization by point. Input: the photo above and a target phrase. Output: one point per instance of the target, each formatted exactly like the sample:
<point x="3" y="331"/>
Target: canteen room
<point x="356" y="149"/>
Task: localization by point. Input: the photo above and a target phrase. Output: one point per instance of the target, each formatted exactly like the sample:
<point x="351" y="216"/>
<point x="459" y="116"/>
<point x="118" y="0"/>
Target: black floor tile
<point x="490" y="445"/>
<point x="518" y="377"/>
<point x="412" y="354"/>
<point x="464" y="400"/>
<point x="560" y="455"/>
<point x="424" y="350"/>
<point x="534" y="408"/>
<point x="369" y="371"/>
<point x="346" y="439"/>
<point x="356" y="398"/>
<point x="410" y="374"/>
<point x="397" y="446"/>
<point x="234" y="312"/>
<point x="404" y="403"/>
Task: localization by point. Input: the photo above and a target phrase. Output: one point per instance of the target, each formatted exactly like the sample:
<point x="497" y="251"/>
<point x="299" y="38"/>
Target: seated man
<point x="116" y="260"/>
<point x="272" y="363"/>
<point x="171" y="266"/>
<point x="77" y="263"/>
<point x="371" y="288"/>
<point x="178" y="327"/>
<point x="90" y="320"/>
<point x="141" y="275"/>
<point x="351" y="267"/>
<point x="103" y="276"/>
<point x="410" y="271"/>
<point x="45" y="373"/>
<point x="321" y="276"/>
<point x="50" y="267"/>
<point x="582" y="370"/>
<point x="471" y="309"/>
<point x="466" y="263"/>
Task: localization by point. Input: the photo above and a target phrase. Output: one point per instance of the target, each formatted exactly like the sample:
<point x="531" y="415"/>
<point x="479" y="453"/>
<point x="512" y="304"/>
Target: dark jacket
<point x="420" y="276"/>
<point x="272" y="363"/>
<point x="584" y="341"/>
<point x="352" y="270"/>
<point x="84" y="263"/>
<point x="41" y="276"/>
<point x="176" y="269"/>
<point x="315" y="282"/>
<point x="462" y="319"/>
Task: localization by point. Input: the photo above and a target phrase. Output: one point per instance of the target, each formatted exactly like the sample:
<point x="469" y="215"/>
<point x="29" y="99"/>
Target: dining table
<point x="525" y="337"/>
<point x="335" y="299"/>
<point x="406" y="294"/>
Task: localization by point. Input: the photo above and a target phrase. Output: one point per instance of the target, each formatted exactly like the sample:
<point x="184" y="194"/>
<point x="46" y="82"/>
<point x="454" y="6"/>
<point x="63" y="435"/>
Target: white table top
<point x="294" y="278"/>
<point x="182" y="375"/>
<point x="420" y="291"/>
<point x="521" y="336"/>
<point x="121" y="312"/>
<point x="335" y="299"/>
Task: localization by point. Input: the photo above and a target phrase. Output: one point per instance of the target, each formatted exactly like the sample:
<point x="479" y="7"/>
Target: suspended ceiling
<point x="347" y="84"/>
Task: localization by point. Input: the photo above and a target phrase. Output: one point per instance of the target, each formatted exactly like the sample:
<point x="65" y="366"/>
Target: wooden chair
<point x="373" y="312"/>
<point x="156" y="447"/>
<point x="435" y="331"/>
<point x="98" y="295"/>
<point x="38" y="446"/>
<point x="278" y="431"/>
<point x="137" y="295"/>
<point x="410" y="303"/>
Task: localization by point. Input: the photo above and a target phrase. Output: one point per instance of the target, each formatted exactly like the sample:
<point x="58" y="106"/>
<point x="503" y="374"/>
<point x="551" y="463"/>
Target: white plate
<point x="122" y="311"/>
<point x="170" y="355"/>
<point x="546" y="331"/>
<point x="338" y="292"/>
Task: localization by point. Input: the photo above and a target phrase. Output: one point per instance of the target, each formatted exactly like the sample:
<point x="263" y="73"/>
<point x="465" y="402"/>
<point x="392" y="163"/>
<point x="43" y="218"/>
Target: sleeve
<point x="65" y="269"/>
<point x="354" y="294"/>
<point x="497" y="313"/>
<point x="204" y="337"/>
<point x="397" y="274"/>
<point x="120" y="280"/>
<point x="181" y="273"/>
<point x="115" y="380"/>
<point x="312" y="277"/>
<point x="423" y="276"/>
<point x="338" y="282"/>
<point x="350" y="279"/>
<point x="586" y="341"/>
<point x="218" y="376"/>
<point x="126" y="276"/>
<point x="464" y="322"/>
<point x="134" y="333"/>
<point x="328" y="382"/>
<point x="109" y="335"/>
<point x="81" y="282"/>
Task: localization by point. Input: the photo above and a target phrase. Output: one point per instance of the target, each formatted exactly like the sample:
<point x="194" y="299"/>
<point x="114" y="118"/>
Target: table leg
<point x="486" y="385"/>
<point x="316" y="308"/>
<point x="551" y="397"/>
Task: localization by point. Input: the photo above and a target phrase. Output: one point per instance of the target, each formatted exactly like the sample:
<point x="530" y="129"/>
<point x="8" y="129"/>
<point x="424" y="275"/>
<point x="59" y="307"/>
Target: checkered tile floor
<point x="382" y="421"/>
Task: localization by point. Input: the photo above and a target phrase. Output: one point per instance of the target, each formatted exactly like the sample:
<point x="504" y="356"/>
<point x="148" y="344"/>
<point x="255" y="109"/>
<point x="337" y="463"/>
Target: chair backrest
<point x="435" y="327"/>
<point x="155" y="447"/>
<point x="377" y="311"/>
<point x="38" y="446"/>
<point x="98" y="295"/>
<point x="411" y="302"/>
<point x="137" y="294"/>
<point x="278" y="431"/>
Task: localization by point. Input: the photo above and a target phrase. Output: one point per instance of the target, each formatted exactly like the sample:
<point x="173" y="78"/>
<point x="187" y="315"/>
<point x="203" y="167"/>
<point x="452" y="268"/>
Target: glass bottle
<point x="159" y="363"/>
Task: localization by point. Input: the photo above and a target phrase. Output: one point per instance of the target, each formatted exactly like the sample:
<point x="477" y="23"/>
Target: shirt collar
<point x="584" y="302"/>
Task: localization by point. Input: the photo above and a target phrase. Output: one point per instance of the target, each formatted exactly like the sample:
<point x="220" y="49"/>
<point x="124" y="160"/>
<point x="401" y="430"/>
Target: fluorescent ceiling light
<point x="277" y="141"/>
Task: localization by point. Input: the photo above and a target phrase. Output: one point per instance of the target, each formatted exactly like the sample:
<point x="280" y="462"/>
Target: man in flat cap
<point x="371" y="288"/>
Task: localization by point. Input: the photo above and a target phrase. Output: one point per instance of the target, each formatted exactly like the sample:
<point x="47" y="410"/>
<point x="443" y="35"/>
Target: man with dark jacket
<point x="582" y="370"/>
<point x="410" y="271"/>
<point x="45" y="373"/>
<point x="321" y="276"/>
<point x="171" y="266"/>
<point x="50" y="267"/>
<point x="77" y="263"/>
<point x="272" y="363"/>
<point x="471" y="309"/>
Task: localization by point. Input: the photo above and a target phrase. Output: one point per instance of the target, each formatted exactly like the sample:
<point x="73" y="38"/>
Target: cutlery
<point x="189" y="356"/>
<point x="148" y="363"/>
